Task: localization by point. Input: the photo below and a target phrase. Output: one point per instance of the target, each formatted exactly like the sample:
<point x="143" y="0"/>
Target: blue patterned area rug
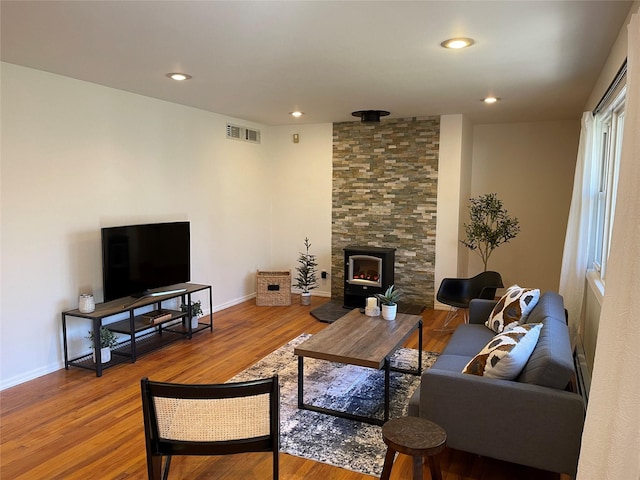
<point x="337" y="441"/>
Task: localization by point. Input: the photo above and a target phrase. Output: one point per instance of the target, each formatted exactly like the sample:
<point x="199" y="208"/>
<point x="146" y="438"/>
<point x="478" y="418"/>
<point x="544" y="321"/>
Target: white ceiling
<point x="261" y="60"/>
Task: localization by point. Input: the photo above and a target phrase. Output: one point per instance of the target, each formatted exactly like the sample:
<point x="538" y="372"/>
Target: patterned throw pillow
<point x="514" y="307"/>
<point x="506" y="354"/>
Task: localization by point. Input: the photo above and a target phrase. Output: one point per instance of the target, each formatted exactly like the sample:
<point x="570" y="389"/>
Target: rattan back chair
<point x="217" y="419"/>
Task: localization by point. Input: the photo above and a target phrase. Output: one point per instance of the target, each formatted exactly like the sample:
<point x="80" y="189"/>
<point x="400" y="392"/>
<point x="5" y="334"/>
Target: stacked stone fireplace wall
<point x="384" y="195"/>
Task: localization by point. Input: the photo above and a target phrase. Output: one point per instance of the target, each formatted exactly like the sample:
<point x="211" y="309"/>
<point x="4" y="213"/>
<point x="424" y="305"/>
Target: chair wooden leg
<point x="388" y="463"/>
<point x="434" y="466"/>
<point x="154" y="467"/>
<point x="167" y="464"/>
<point x="417" y="467"/>
<point x="276" y="465"/>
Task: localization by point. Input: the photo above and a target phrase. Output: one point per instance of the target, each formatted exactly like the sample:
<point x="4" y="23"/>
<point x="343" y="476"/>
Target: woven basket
<point x="273" y="289"/>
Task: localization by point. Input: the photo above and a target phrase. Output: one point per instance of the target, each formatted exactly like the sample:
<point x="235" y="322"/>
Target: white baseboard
<point x="440" y="306"/>
<point x="314" y="293"/>
<point x="233" y="302"/>
<point x="31" y="375"/>
<point x="319" y="293"/>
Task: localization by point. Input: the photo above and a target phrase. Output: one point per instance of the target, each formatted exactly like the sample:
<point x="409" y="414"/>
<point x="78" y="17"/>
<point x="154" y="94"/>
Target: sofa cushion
<point x="551" y="305"/>
<point x="467" y="340"/>
<point x="506" y="354"/>
<point x="551" y="363"/>
<point x="514" y="307"/>
<point x="450" y="363"/>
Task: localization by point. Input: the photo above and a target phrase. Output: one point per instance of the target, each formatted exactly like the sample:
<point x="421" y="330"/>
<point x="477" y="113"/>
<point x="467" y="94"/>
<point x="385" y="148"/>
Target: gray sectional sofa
<point x="533" y="420"/>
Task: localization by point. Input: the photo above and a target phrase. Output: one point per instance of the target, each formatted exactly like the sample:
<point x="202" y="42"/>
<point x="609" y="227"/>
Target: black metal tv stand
<point x="142" y="336"/>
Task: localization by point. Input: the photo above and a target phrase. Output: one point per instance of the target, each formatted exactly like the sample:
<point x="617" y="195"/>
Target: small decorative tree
<point x="196" y="308"/>
<point x="490" y="226"/>
<point x="196" y="312"/>
<point x="306" y="279"/>
<point x="108" y="339"/>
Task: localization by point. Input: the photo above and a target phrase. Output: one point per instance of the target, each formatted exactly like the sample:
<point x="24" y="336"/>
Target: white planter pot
<point x="194" y="322"/>
<point x="305" y="298"/>
<point x="389" y="311"/>
<point x="105" y="355"/>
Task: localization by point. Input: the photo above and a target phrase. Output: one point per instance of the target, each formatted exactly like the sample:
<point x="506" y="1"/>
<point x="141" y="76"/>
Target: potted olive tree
<point x="307" y="271"/>
<point x="108" y="340"/>
<point x="389" y="300"/>
<point x="490" y="226"/>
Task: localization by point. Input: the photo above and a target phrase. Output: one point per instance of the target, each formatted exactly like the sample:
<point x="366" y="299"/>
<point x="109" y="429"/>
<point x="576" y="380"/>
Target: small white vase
<point x="105" y="355"/>
<point x="389" y="311"/>
<point x="194" y="322"/>
<point x="305" y="298"/>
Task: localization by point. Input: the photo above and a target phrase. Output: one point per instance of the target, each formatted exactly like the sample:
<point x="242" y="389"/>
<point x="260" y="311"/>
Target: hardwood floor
<point x="72" y="425"/>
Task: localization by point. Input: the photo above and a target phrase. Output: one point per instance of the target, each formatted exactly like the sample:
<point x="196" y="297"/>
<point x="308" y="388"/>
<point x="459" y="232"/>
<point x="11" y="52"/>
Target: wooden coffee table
<point x="357" y="339"/>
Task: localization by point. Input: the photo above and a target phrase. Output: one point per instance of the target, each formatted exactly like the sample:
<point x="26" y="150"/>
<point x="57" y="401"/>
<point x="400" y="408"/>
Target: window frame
<point x="608" y="125"/>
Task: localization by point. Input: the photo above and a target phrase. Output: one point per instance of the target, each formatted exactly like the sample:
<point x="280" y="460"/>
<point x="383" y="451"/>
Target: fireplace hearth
<point x="367" y="271"/>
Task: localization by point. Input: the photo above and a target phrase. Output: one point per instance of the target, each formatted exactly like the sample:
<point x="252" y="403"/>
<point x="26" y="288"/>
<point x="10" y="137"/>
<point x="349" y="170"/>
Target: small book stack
<point x="156" y="316"/>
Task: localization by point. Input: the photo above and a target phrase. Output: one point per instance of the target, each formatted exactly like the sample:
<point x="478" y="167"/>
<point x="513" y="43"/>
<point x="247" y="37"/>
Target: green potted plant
<point x="108" y="340"/>
<point x="307" y="271"/>
<point x="196" y="312"/>
<point x="389" y="300"/>
<point x="490" y="226"/>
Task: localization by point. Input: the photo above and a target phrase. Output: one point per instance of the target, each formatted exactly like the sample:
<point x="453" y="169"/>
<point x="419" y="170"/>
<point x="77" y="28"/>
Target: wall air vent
<point x="233" y="131"/>
<point x="252" y="135"/>
<point x="245" y="134"/>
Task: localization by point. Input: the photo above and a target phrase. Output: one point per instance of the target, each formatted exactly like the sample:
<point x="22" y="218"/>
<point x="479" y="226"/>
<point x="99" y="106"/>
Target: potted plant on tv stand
<point x="108" y="340"/>
<point x="196" y="312"/>
<point x="389" y="300"/>
<point x="306" y="279"/>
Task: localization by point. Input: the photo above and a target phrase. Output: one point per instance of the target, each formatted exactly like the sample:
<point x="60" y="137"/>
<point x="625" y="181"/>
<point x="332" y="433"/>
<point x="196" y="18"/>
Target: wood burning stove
<point x="367" y="271"/>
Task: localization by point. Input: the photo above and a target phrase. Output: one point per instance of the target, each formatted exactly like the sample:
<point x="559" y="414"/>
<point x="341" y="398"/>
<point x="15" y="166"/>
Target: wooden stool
<point x="417" y="437"/>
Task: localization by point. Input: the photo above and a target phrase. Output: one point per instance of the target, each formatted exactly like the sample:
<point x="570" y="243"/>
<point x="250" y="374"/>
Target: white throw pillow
<point x="514" y="307"/>
<point x="507" y="353"/>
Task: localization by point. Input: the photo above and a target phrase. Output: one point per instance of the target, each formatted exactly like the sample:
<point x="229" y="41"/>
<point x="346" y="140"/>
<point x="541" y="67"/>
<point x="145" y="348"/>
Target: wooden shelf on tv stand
<point x="143" y="335"/>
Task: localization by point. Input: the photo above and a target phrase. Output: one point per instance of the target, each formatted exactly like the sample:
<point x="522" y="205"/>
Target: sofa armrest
<point x="517" y="422"/>
<point x="480" y="309"/>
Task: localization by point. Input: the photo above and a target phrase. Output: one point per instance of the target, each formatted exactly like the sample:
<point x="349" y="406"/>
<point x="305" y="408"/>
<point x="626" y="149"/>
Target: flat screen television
<point x="139" y="258"/>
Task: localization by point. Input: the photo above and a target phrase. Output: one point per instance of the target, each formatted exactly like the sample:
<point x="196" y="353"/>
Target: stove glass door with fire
<point x="368" y="270"/>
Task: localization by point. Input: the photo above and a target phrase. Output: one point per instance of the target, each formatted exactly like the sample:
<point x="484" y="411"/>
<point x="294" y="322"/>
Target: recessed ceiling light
<point x="296" y="114"/>
<point x="179" y="76"/>
<point x="458" y="43"/>
<point x="490" y="99"/>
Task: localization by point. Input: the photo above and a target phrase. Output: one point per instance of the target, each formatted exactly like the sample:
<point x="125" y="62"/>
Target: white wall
<point x="617" y="55"/>
<point x="301" y="204"/>
<point x="610" y="441"/>
<point x="593" y="296"/>
<point x="466" y="175"/>
<point x="453" y="185"/>
<point x="77" y="157"/>
<point x="588" y="331"/>
<point x="530" y="166"/>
